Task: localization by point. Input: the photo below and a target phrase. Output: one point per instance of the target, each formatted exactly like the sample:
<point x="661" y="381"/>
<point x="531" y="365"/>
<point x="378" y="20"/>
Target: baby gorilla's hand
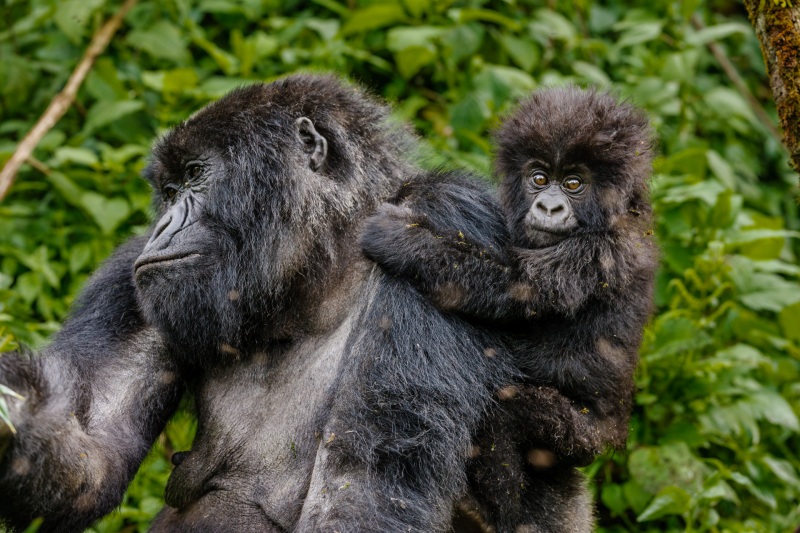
<point x="386" y="236"/>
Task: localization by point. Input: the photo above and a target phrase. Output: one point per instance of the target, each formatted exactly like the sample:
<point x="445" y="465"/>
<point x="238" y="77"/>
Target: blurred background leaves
<point x="714" y="445"/>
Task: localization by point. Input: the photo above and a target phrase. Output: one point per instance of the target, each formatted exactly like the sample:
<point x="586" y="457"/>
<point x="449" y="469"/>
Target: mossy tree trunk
<point x="777" y="26"/>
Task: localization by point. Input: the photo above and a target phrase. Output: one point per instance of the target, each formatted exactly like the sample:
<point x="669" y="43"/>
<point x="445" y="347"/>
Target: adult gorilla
<point x="330" y="397"/>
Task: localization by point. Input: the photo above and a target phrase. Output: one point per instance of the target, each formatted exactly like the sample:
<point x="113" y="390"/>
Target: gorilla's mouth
<point x="148" y="262"/>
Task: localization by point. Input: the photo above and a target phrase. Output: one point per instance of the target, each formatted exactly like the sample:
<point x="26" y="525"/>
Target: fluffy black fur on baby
<point x="565" y="263"/>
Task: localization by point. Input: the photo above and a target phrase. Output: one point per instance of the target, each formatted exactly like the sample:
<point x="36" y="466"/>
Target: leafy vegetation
<point x="715" y="430"/>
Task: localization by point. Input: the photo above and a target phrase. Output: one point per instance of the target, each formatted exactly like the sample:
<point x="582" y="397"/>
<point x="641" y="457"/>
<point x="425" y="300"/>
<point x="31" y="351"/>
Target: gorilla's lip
<point x="161" y="259"/>
<point x="559" y="230"/>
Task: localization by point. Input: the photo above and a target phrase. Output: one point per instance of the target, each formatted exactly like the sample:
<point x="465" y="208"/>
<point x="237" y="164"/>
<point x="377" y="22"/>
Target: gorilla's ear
<point x="314" y="144"/>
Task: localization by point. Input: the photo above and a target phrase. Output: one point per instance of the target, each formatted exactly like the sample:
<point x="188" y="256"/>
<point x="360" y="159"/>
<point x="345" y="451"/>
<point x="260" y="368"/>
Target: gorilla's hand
<point x="388" y="235"/>
<point x="17" y="380"/>
<point x="556" y="430"/>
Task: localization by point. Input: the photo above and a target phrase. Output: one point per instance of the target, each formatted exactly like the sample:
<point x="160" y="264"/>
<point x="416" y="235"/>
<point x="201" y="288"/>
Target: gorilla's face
<point x="231" y="234"/>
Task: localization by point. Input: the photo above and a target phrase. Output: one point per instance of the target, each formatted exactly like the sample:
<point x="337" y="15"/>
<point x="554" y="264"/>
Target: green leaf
<point x="522" y="51"/>
<point x="71" y="192"/>
<point x="73" y="17"/>
<point x="373" y="17"/>
<point x="81" y="156"/>
<point x="162" y="40"/>
<point x="551" y="24"/>
<point x="80" y="255"/>
<point x="108" y="213"/>
<point x="5" y="415"/>
<point x="485" y="15"/>
<point x="398" y="39"/>
<point x="718" y="32"/>
<point x="410" y="60"/>
<point x="463" y="41"/>
<point x="640" y="33"/>
<point x="106" y="112"/>
<point x="417" y="8"/>
<point x="669" y="501"/>
<point x="613" y="497"/>
<point x="789" y="320"/>
<point x="591" y="73"/>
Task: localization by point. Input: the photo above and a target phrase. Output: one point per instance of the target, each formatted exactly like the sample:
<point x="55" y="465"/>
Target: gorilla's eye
<point x="194" y="171"/>
<point x="573" y="184"/>
<point x="170" y="191"/>
<point x="539" y="179"/>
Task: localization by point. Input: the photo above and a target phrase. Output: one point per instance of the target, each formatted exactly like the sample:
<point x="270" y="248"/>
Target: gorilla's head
<point x="572" y="160"/>
<point x="258" y="197"/>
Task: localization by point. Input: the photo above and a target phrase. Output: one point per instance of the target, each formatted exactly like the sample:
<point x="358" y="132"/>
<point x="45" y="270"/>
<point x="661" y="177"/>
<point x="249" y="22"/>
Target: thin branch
<point x="63" y="100"/>
<point x="736" y="78"/>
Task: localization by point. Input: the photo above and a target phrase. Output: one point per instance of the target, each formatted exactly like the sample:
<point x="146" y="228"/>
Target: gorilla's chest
<point x="260" y="425"/>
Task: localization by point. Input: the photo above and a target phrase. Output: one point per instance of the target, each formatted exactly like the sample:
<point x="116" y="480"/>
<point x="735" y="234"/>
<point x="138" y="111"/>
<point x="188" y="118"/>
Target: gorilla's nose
<point x="550" y="208"/>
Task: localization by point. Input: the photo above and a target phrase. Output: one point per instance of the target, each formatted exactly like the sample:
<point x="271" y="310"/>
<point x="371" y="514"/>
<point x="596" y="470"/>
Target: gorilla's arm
<point x="95" y="400"/>
<point x="448" y="237"/>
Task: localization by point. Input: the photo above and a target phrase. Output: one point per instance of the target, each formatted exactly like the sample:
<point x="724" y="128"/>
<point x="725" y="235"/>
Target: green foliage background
<point x="714" y="444"/>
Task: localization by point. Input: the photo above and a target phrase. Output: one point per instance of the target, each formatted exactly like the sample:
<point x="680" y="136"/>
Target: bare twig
<point x="63" y="100"/>
<point x="736" y="78"/>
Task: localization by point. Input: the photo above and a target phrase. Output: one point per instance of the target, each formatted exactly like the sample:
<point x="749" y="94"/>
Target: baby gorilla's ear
<point x="314" y="144"/>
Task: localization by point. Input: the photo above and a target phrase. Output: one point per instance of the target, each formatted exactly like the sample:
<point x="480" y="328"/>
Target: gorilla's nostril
<point x="556" y="208"/>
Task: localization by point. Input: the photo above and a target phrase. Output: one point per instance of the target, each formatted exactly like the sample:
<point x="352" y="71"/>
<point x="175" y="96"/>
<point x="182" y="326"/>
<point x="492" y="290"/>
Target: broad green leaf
<point x="463" y="41"/>
<point x="71" y="192"/>
<point x="789" y="320"/>
<point x="73" y="17"/>
<point x="80" y="255"/>
<point x="108" y="213"/>
<point x="669" y="501"/>
<point x="162" y="40"/>
<point x="373" y="17"/>
<point x="470" y="14"/>
<point x="106" y="112"/>
<point x="551" y="24"/>
<point x="410" y="60"/>
<point x="640" y="33"/>
<point x="417" y="8"/>
<point x="716" y="33"/>
<point x="726" y="102"/>
<point x="591" y="73"/>
<point x="81" y="156"/>
<point x="613" y="497"/>
<point x="522" y="51"/>
<point x="398" y="39"/>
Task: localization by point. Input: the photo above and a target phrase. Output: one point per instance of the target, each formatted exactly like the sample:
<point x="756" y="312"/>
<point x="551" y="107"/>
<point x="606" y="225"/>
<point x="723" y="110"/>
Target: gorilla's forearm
<point x="452" y="272"/>
<point x="95" y="400"/>
<point x="447" y="238"/>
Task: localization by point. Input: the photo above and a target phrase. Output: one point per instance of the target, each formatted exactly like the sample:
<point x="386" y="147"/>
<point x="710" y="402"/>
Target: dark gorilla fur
<point x="330" y="396"/>
<point x="572" y="311"/>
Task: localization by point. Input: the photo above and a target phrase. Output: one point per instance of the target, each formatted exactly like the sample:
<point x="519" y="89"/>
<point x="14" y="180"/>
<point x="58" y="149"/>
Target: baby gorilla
<point x="561" y="271"/>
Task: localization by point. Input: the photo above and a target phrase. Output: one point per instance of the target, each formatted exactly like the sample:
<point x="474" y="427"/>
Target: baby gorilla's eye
<point x="573" y="184"/>
<point x="539" y="179"/>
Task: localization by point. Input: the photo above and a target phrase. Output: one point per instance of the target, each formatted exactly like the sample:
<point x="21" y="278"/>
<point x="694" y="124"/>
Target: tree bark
<point x="777" y="26"/>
